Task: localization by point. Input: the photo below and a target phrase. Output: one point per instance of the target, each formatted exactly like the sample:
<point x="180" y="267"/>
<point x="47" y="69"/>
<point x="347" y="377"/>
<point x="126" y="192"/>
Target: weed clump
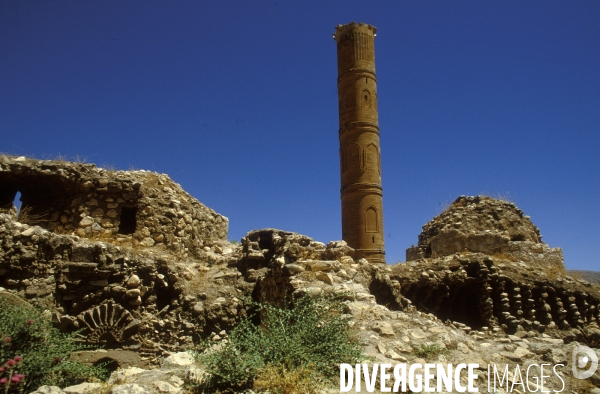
<point x="298" y="345"/>
<point x="34" y="353"/>
<point x="428" y="350"/>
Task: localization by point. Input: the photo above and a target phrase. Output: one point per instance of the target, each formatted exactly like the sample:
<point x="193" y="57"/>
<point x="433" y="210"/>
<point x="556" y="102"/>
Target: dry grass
<point x="101" y="236"/>
<point x="109" y="167"/>
<point x="576" y="275"/>
<point x="504" y="197"/>
<point x="554" y="271"/>
<point x="62" y="158"/>
<point x="25" y="216"/>
<point x="276" y="379"/>
<point x="505" y="256"/>
<point x="195" y="281"/>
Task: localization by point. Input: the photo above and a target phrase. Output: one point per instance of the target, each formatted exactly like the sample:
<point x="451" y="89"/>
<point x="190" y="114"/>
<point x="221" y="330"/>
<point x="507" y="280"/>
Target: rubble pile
<point x="286" y="265"/>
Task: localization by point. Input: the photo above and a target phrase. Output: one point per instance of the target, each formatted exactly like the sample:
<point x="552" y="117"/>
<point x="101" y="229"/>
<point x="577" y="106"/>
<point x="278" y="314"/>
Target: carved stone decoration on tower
<point x="361" y="192"/>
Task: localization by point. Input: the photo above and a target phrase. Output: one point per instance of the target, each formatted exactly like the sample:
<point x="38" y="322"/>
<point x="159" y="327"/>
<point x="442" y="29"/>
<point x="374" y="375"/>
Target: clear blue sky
<point x="237" y="101"/>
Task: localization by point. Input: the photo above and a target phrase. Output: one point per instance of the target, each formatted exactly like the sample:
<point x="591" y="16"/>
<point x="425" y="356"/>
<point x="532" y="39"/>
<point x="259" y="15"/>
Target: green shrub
<point x="312" y="335"/>
<point x="38" y="351"/>
<point x="428" y="350"/>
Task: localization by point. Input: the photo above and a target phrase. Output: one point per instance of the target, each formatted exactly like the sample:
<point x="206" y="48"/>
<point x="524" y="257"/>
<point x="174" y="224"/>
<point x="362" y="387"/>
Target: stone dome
<point x="476" y="224"/>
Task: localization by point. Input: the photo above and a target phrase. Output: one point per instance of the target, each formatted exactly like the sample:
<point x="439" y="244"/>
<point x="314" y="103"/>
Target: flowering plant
<point x="42" y="353"/>
<point x="8" y="375"/>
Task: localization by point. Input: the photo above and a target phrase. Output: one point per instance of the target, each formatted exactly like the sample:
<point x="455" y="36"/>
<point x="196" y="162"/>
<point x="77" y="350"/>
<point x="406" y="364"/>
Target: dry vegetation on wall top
<point x="479" y="282"/>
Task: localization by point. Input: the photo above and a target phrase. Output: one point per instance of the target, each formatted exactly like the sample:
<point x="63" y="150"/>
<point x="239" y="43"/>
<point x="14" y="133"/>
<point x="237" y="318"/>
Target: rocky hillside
<point x="590" y="276"/>
<point x="480" y="287"/>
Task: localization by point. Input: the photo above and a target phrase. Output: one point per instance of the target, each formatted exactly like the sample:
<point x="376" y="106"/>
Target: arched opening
<point x="372" y="158"/>
<point x="353" y="159"/>
<point x="371" y="225"/>
<point x="459" y="306"/>
<point x="366" y="99"/>
<point x="39" y="198"/>
<point x="451" y="301"/>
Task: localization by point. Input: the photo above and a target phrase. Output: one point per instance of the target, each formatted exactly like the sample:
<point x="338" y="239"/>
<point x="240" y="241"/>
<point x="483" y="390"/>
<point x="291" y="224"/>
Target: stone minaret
<point x="361" y="192"/>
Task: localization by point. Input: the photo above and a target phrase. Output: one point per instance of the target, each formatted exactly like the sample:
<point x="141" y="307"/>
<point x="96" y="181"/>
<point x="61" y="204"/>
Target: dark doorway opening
<point x="463" y="306"/>
<point x="454" y="301"/>
<point x="384" y="294"/>
<point x="128" y="222"/>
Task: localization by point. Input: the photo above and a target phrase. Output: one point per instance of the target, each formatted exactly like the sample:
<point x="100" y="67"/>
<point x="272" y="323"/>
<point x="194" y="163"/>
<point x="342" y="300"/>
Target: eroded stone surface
<point x="485" y="225"/>
<point x="130" y="207"/>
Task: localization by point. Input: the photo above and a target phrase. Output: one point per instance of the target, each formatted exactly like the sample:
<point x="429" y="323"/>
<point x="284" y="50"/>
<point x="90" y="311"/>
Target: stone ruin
<point x="140" y="208"/>
<point x="482" y="263"/>
<point x="108" y="252"/>
<point x="170" y="278"/>
<point x="485" y="225"/>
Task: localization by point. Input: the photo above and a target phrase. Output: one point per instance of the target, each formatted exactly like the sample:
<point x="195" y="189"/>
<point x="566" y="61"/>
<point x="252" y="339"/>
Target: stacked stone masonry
<point x="140" y="208"/>
<point x="486" y="225"/>
<point x="487" y="291"/>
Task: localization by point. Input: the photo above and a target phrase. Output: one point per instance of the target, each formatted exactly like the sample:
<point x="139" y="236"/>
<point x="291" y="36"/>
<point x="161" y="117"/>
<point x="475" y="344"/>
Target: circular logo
<point x="582" y="356"/>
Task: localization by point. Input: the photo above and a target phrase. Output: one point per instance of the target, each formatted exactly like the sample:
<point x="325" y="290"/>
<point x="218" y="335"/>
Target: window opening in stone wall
<point x="23" y="213"/>
<point x="17" y="202"/>
<point x="128" y="220"/>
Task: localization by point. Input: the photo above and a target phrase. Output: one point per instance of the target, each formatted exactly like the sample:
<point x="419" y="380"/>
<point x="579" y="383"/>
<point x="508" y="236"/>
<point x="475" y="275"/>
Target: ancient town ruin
<point x="130" y="207"/>
<point x="479" y="273"/>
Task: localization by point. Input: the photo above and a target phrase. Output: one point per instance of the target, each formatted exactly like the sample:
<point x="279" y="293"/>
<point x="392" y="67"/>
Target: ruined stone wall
<point x="136" y="208"/>
<point x="285" y="265"/>
<point x="485" y="225"/>
<point x="152" y="303"/>
<point x="121" y="298"/>
<point x="477" y="291"/>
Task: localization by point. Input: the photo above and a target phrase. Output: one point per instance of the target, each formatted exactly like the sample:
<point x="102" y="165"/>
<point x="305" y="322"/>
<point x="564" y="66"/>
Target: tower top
<point x="341" y="31"/>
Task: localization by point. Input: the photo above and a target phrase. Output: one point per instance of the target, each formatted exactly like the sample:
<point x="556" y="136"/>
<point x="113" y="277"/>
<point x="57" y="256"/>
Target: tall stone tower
<point x="361" y="192"/>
